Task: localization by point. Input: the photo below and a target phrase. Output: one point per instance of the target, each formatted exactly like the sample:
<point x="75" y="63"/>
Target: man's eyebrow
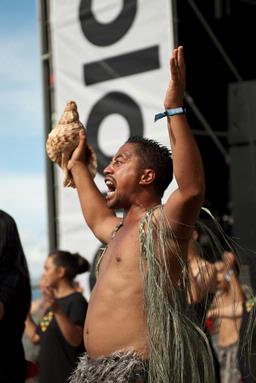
<point x="119" y="155"/>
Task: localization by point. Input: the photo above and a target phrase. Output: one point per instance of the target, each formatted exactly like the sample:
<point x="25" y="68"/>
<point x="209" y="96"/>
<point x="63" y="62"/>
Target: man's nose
<point x="108" y="169"/>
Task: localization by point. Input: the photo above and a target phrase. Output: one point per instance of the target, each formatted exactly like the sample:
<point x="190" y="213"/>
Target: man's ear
<point x="147" y="177"/>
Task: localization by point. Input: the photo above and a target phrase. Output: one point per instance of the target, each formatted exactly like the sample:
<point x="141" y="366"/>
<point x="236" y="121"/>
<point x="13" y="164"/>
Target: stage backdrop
<point x="112" y="58"/>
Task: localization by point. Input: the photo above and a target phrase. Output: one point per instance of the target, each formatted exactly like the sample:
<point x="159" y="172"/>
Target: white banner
<point x="112" y="58"/>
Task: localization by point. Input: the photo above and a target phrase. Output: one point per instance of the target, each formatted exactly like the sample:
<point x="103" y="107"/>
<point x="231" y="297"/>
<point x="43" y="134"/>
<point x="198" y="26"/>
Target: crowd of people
<point x="54" y="322"/>
<point x="167" y="305"/>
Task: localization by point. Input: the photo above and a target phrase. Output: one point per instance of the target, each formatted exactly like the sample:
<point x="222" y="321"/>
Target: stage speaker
<point x="242" y="147"/>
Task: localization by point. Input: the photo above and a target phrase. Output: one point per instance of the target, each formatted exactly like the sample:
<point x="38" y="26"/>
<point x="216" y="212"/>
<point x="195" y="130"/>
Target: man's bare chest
<point x="122" y="251"/>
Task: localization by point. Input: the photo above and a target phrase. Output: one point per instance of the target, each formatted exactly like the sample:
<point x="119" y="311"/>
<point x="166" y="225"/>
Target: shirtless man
<point x="227" y="312"/>
<point x="116" y="325"/>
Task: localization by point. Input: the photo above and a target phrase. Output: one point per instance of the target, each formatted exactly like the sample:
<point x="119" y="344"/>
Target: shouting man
<point x="139" y="325"/>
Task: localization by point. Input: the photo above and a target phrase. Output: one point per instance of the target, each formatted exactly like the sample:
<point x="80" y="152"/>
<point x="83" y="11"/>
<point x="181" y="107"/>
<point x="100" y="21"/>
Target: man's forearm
<point x="187" y="163"/>
<point x="92" y="202"/>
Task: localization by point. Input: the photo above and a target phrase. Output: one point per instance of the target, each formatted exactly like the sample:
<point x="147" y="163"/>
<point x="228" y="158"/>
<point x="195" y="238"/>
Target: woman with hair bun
<point x="60" y="331"/>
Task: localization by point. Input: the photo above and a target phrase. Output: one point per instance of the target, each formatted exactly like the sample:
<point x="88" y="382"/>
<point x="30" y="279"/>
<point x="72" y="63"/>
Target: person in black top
<point x="60" y="331"/>
<point x="15" y="298"/>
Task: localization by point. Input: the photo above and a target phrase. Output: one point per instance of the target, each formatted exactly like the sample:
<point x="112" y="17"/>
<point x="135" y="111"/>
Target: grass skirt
<point x="120" y="367"/>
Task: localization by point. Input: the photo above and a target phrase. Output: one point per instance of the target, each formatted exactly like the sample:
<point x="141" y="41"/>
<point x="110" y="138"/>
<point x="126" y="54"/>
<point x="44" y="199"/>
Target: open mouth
<point x="111" y="187"/>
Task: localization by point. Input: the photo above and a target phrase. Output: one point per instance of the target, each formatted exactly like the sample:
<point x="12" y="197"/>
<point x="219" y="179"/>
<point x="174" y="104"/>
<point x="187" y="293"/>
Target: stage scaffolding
<point x="48" y="107"/>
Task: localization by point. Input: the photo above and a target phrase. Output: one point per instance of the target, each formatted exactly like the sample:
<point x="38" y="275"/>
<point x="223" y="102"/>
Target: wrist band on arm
<point x="170" y="112"/>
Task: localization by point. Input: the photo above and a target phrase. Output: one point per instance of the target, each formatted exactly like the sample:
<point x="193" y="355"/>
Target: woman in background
<point x="15" y="298"/>
<point x="60" y="331"/>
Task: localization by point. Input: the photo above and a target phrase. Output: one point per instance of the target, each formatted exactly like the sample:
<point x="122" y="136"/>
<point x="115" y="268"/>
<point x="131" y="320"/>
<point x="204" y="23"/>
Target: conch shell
<point x="64" y="138"/>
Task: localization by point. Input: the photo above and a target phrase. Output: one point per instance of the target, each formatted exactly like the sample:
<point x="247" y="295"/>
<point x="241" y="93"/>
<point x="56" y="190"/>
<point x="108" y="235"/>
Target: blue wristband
<point x="170" y="112"/>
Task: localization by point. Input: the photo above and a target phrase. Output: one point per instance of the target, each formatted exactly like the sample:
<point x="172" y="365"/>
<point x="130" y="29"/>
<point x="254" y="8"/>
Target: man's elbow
<point x="196" y="193"/>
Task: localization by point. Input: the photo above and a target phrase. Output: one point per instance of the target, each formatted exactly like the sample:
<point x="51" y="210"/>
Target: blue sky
<point x="22" y="168"/>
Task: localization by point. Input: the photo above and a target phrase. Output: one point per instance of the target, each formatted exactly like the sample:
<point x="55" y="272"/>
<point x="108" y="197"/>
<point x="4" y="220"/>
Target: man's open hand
<point x="176" y="88"/>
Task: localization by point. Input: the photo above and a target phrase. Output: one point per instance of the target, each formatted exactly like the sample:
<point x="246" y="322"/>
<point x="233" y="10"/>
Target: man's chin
<point x="111" y="203"/>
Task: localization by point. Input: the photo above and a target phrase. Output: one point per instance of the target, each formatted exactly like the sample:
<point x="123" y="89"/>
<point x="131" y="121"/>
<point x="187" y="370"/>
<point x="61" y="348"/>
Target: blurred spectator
<point x="60" y="330"/>
<point x="37" y="310"/>
<point x="226" y="312"/>
<point x="203" y="282"/>
<point x="38" y="305"/>
<point x="247" y="346"/>
<point x="15" y="298"/>
<point x="203" y="276"/>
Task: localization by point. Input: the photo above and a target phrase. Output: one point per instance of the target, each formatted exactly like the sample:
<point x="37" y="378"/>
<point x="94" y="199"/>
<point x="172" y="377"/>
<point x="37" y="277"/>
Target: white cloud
<point x="24" y="198"/>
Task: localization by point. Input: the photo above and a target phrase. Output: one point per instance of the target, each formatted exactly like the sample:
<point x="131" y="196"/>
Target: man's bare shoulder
<point x="181" y="228"/>
<point x="178" y="230"/>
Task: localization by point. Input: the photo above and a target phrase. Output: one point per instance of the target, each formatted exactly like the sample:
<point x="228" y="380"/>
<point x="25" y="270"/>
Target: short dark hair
<point x="73" y="263"/>
<point x="157" y="157"/>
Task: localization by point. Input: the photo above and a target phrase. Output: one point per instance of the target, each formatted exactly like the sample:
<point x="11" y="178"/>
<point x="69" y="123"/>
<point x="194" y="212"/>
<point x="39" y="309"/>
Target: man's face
<point x="122" y="177"/>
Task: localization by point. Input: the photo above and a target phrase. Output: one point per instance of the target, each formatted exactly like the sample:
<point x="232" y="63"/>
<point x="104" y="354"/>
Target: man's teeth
<point x="110" y="185"/>
<point x="111" y="188"/>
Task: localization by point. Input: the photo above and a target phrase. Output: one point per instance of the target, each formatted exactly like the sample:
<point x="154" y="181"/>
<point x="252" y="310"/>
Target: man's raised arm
<point x="183" y="206"/>
<point x="98" y="216"/>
